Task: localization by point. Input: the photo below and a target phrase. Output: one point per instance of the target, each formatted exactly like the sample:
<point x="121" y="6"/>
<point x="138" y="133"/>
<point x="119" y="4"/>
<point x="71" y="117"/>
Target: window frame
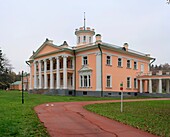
<point x="128" y="63"/>
<point x="84" y="39"/>
<point x="84" y="61"/>
<point x="135" y="65"/>
<point x="128" y="82"/>
<point x="135" y="83"/>
<point x="121" y="65"/>
<point x="110" y="81"/>
<point x="110" y="60"/>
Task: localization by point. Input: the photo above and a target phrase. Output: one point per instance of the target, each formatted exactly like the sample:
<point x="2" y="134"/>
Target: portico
<point x="159" y="77"/>
<point x="54" y="73"/>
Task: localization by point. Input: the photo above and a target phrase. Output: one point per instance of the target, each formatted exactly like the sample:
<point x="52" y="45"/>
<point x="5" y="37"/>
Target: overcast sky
<point x="25" y="24"/>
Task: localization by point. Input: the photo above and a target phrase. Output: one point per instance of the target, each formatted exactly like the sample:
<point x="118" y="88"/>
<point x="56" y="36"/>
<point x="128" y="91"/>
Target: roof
<point x="91" y="46"/>
<point x="16" y="83"/>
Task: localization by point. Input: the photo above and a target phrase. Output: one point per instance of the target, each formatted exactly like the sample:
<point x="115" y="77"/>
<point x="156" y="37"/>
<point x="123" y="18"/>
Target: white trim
<point x="121" y="61"/>
<point x="130" y="84"/>
<point x="110" y="80"/>
<point x="110" y="59"/>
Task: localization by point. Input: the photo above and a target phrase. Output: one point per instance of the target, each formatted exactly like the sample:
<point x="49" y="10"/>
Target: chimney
<point x="98" y="39"/>
<point x="126" y="46"/>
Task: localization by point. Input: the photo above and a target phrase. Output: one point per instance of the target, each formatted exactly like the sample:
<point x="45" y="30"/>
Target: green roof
<point x="16" y="83"/>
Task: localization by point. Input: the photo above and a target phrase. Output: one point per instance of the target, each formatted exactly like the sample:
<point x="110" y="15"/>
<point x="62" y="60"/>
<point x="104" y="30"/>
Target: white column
<point x="160" y="86"/>
<point x="51" y="74"/>
<point x="73" y="80"/>
<point x="58" y="73"/>
<point x="64" y="72"/>
<point x="30" y="85"/>
<point x="45" y="74"/>
<point x="35" y="75"/>
<point x="141" y="86"/>
<point x="40" y="75"/>
<point x="150" y="85"/>
<point x="167" y="86"/>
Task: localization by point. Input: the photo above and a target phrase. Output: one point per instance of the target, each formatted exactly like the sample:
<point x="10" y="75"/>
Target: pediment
<point x="45" y="49"/>
<point x="85" y="69"/>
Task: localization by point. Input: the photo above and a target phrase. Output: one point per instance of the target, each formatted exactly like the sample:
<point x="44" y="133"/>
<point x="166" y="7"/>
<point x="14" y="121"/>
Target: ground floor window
<point x="135" y="83"/>
<point x="109" y="81"/>
<point x="128" y="82"/>
<point x="85" y="81"/>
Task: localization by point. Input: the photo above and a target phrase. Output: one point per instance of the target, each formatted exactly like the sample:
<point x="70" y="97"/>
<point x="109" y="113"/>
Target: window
<point x="128" y="82"/>
<point x="81" y="81"/>
<point x="135" y="65"/>
<point x="84" y="38"/>
<point x="119" y="62"/>
<point x="89" y="39"/>
<point x="89" y="81"/>
<point x="108" y="81"/>
<point x="135" y="83"/>
<point x="108" y="61"/>
<point x="128" y="64"/>
<point x="78" y="39"/>
<point x="85" y="81"/>
<point x="85" y="60"/>
<point x="142" y="68"/>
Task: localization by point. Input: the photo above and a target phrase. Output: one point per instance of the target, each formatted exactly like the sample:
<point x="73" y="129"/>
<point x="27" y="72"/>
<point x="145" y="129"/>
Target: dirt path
<point x="69" y="119"/>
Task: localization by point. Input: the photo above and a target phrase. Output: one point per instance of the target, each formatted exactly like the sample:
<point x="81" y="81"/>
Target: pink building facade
<point x="91" y="67"/>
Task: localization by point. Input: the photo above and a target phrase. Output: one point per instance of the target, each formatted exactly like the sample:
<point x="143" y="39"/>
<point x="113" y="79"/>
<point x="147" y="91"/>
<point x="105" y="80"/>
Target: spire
<point x="84" y="21"/>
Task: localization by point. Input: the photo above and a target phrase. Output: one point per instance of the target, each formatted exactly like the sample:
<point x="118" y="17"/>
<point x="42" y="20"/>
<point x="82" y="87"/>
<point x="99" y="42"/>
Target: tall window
<point x="108" y="81"/>
<point x="85" y="81"/>
<point x="81" y="81"/>
<point x="128" y="82"/>
<point x="89" y="39"/>
<point x="135" y="83"/>
<point x="128" y="64"/>
<point x="84" y="38"/>
<point x="108" y="61"/>
<point x="85" y="60"/>
<point x="135" y="65"/>
<point x="119" y="62"/>
<point x="142" y="68"/>
<point x="79" y="39"/>
<point x="89" y="81"/>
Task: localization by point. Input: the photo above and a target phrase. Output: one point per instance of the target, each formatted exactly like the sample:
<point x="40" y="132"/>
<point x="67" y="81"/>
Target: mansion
<point x="91" y="67"/>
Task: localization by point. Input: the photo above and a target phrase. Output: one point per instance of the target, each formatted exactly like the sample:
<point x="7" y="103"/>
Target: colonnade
<point x="41" y="72"/>
<point x="159" y="87"/>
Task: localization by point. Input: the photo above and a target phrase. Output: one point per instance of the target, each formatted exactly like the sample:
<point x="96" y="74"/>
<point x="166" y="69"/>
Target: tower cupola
<point x="84" y="35"/>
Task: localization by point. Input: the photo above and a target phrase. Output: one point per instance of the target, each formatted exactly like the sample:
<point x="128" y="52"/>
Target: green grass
<point x="150" y="116"/>
<point x="20" y="120"/>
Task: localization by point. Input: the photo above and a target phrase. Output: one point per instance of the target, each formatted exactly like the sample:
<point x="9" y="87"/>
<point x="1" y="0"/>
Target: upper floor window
<point x="128" y="63"/>
<point x="84" y="38"/>
<point x="119" y="62"/>
<point x="108" y="61"/>
<point x="89" y="39"/>
<point x="109" y="81"/>
<point x="135" y="65"/>
<point x="128" y="82"/>
<point x="85" y="60"/>
<point x="79" y="39"/>
<point x="142" y="68"/>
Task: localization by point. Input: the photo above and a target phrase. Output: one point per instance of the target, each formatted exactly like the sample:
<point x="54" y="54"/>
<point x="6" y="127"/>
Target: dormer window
<point x="84" y="38"/>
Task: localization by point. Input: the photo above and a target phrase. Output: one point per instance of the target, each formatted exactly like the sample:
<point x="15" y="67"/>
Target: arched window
<point x="84" y="38"/>
<point x="89" y="39"/>
<point x="78" y="39"/>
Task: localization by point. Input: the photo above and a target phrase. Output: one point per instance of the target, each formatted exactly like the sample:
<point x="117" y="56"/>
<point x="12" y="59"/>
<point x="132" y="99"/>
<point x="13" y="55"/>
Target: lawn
<point x="150" y="116"/>
<point x="20" y="120"/>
